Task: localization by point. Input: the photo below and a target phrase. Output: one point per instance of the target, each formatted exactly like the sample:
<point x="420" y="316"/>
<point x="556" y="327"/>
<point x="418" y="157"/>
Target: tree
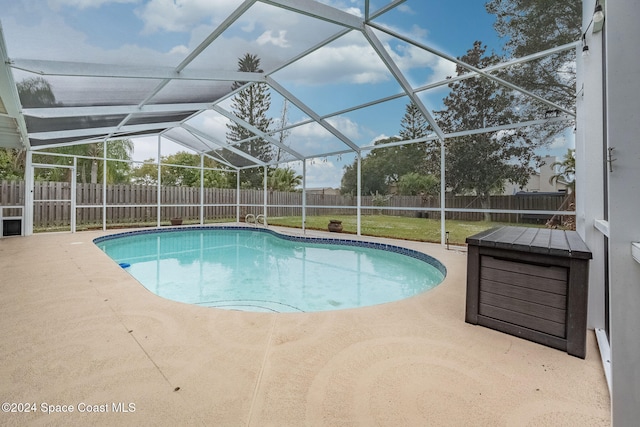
<point x="90" y="170"/>
<point x="533" y="26"/>
<point x="374" y="179"/>
<point x="380" y="168"/>
<point x="384" y="166"/>
<point x="251" y="105"/>
<point x="282" y="134"/>
<point x="413" y="124"/>
<point x="480" y="164"/>
<point x="35" y="92"/>
<point x="566" y="169"/>
<point x="283" y="179"/>
<point x="424" y="156"/>
<point x="414" y="184"/>
<point x="11" y="164"/>
<point x="147" y="173"/>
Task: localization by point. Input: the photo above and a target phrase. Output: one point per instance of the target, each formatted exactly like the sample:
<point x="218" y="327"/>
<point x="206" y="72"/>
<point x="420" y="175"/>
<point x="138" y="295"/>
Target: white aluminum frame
<point x="164" y="75"/>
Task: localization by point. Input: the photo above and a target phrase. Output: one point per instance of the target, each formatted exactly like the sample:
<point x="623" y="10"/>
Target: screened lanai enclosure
<point x="458" y="114"/>
<point x="285" y="108"/>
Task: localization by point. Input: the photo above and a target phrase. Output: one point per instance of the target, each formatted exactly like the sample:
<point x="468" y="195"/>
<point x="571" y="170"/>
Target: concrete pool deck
<point x="78" y="330"/>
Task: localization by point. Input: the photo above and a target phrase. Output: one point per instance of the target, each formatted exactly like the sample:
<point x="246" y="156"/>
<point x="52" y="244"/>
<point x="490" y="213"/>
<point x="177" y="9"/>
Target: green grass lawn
<point x="398" y="227"/>
<point x="421" y="229"/>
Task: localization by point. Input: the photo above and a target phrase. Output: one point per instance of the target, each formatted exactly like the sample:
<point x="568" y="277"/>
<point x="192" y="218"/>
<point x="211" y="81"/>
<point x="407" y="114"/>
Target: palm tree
<point x="284" y="179"/>
<point x="566" y="170"/>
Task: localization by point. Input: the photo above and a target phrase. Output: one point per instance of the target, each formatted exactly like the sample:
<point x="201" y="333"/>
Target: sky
<point x="343" y="74"/>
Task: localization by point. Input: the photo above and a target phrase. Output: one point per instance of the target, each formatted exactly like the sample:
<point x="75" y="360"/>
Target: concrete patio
<point x="78" y="330"/>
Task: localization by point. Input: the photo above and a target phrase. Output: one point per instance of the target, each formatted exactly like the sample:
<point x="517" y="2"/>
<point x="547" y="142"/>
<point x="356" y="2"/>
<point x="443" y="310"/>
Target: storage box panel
<point x="529" y="281"/>
<point x="548" y="271"/>
<point x="524" y="320"/>
<point x="526" y="307"/>
<point x="527" y="294"/>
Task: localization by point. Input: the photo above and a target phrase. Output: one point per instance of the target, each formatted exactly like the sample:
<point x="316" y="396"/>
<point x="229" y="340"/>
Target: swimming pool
<point x="255" y="269"/>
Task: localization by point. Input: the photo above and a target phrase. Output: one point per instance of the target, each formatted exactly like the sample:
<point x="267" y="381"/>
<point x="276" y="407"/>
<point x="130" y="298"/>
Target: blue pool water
<point x="260" y="270"/>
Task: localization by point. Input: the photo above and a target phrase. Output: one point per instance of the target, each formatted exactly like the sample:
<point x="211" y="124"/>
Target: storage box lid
<point x="535" y="240"/>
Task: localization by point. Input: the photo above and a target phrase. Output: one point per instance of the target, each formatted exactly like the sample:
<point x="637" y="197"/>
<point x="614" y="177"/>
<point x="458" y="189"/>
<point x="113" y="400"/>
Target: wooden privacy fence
<point x="130" y="204"/>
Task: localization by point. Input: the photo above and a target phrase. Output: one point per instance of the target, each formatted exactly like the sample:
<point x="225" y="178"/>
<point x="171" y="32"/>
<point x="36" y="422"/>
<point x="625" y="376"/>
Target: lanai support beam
<point x="28" y="193"/>
<point x="399" y="76"/>
<point x="304" y="196"/>
<point x="256" y="131"/>
<point x="104" y="186"/>
<point x="359" y="197"/>
<point x="74" y="184"/>
<point x="201" y="189"/>
<point x="443" y="195"/>
<point x="238" y="195"/>
<point x="307" y="110"/>
<point x="264" y="197"/>
<point x="319" y="11"/>
<point x="158" y="189"/>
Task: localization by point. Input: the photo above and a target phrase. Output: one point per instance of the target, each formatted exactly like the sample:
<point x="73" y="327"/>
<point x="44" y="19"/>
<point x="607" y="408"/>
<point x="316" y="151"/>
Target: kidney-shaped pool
<point x="256" y="269"/>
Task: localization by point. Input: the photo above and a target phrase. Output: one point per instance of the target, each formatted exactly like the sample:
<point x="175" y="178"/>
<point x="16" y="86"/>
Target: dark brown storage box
<point x="531" y="283"/>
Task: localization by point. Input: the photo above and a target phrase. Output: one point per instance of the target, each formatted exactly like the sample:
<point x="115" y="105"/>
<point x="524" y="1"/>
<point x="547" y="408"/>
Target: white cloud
<point x="354" y="11"/>
<point x="442" y="69"/>
<point x="338" y="63"/>
<point x="51" y="38"/>
<point x="279" y="33"/>
<point x="145" y="148"/>
<point x="179" y="50"/>
<point x="314" y="131"/>
<point x="345" y="125"/>
<point x="351" y="60"/>
<point x="321" y="173"/>
<point x="181" y="16"/>
<point x="379" y="138"/>
<point x="83" y="4"/>
<point x="409" y="57"/>
<point x="215" y="125"/>
<point x="279" y="40"/>
<point x="418" y="32"/>
<point x="405" y="8"/>
<point x="559" y="141"/>
<point x="249" y="27"/>
<point x="344" y="6"/>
